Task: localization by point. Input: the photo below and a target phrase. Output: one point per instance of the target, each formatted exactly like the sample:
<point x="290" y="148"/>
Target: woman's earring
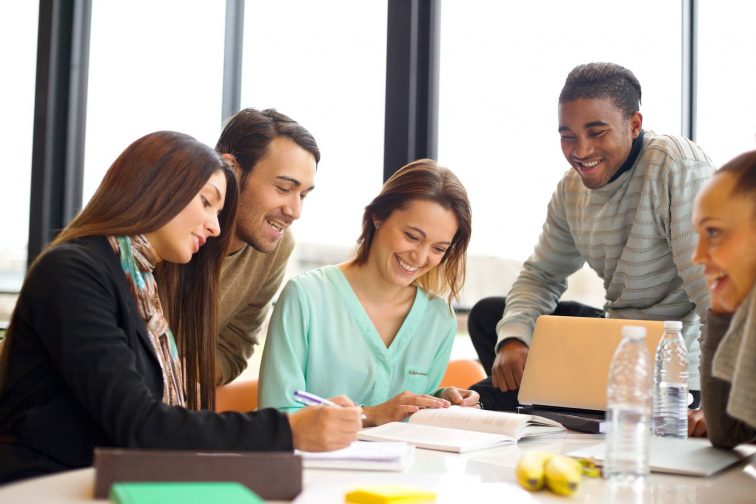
<point x="377" y="225"/>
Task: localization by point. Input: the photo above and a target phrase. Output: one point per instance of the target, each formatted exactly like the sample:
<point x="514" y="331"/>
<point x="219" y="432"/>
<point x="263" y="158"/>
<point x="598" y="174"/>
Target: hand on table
<point x="696" y="423"/>
<point x="460" y="397"/>
<point x="400" y="407"/>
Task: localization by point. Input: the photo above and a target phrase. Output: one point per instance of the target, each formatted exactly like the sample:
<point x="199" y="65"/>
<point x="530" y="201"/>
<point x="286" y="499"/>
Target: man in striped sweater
<point x="625" y="208"/>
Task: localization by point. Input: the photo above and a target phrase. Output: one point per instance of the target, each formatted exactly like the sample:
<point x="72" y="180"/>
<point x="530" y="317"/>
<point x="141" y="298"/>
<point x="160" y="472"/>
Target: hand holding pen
<point x="309" y="399"/>
<point x="325" y="429"/>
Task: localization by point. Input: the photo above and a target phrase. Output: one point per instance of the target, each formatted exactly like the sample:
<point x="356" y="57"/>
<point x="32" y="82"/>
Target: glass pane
<point x="18" y="52"/>
<point x="304" y="59"/>
<point x="153" y="66"/>
<point x="726" y="119"/>
<point x="503" y="65"/>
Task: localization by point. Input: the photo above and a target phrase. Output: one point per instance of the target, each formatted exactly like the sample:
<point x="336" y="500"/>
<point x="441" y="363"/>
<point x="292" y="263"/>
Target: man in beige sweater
<point x="275" y="160"/>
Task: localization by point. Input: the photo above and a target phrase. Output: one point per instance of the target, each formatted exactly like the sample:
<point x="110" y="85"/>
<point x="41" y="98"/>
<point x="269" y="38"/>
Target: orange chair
<point x="462" y="373"/>
<point x="239" y="395"/>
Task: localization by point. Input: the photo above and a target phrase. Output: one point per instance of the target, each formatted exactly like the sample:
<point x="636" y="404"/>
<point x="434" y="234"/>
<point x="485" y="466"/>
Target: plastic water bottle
<point x="670" y="418"/>
<point x="628" y="397"/>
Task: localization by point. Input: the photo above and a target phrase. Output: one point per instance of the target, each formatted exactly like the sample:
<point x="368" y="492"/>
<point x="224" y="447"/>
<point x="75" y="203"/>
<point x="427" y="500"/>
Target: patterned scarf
<point x="138" y="260"/>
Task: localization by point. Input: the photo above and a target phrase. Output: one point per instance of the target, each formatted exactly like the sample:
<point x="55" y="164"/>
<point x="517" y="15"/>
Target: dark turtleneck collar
<point x="630" y="161"/>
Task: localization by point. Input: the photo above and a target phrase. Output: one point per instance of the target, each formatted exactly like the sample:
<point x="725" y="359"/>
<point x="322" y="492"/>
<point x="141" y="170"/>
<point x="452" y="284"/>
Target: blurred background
<point x="473" y="84"/>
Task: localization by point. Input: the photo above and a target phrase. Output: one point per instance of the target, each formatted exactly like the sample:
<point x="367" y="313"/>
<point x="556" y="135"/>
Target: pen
<point x="309" y="399"/>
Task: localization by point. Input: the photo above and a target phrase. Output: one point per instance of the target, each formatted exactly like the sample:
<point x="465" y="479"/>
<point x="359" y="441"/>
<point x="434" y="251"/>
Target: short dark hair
<point x="743" y="168"/>
<point x="603" y="80"/>
<point x="248" y="133"/>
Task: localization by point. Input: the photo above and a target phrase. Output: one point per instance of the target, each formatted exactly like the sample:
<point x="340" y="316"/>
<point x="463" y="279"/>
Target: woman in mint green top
<point x="377" y="328"/>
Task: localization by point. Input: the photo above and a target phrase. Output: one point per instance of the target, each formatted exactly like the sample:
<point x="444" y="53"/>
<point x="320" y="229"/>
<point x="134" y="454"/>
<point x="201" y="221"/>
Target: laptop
<point x="567" y="369"/>
<point x="689" y="457"/>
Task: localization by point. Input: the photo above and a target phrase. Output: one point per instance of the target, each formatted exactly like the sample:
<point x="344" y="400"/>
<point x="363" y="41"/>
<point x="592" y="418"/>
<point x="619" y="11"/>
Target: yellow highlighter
<point x="390" y="494"/>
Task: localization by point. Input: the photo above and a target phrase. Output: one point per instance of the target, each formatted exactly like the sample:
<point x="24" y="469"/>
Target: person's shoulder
<point x="89" y="250"/>
<point x="437" y="305"/>
<point x="675" y="153"/>
<point x="316" y="280"/>
<point x="72" y="261"/>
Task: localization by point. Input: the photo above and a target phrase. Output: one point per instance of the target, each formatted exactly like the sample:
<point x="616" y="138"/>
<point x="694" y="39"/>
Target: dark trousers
<point x="481" y="325"/>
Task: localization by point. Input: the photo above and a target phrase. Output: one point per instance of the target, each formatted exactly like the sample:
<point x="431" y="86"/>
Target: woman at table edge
<point x="725" y="219"/>
<point x="376" y="328"/>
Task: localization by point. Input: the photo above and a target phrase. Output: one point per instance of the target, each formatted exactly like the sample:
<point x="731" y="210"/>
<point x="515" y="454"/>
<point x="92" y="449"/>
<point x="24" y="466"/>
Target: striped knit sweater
<point x="637" y="235"/>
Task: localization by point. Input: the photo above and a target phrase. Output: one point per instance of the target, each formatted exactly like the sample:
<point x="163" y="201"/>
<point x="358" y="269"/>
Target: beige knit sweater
<point x="249" y="280"/>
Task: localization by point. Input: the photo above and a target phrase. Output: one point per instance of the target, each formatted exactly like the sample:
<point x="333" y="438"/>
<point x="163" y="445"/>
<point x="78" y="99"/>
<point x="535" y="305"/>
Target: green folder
<point x="185" y="493"/>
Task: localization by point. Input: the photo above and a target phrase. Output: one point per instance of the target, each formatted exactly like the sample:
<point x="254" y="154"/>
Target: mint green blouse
<point x="321" y="340"/>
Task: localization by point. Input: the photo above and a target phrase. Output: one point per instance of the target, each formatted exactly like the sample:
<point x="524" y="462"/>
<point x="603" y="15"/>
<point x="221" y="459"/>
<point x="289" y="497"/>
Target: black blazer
<point x="82" y="373"/>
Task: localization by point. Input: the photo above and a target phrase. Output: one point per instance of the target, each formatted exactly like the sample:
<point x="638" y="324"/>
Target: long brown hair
<point x="155" y="178"/>
<point x="425" y="180"/>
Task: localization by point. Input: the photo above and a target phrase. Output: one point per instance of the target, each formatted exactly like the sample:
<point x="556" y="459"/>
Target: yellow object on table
<point x="560" y="473"/>
<point x="390" y="494"/>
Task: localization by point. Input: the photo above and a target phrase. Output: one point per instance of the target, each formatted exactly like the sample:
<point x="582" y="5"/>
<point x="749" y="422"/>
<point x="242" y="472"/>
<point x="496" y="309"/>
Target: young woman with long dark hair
<point x="112" y="339"/>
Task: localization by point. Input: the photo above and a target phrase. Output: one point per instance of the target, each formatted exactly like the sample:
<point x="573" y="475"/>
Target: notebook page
<point x="472" y="419"/>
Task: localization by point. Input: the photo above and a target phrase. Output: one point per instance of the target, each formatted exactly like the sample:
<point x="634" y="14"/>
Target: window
<point x="503" y="65"/>
<point x="502" y="68"/>
<point x="726" y="119"/>
<point x="303" y="59"/>
<point x="18" y="51"/>
<point x="152" y="66"/>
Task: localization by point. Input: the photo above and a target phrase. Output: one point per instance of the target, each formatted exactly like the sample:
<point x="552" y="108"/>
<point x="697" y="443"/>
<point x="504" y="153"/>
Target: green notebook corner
<point x="186" y="493"/>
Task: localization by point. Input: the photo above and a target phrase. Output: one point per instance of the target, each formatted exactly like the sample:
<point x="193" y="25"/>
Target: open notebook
<point x="458" y="429"/>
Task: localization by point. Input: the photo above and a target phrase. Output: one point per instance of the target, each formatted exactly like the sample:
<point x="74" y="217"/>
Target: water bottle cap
<point x="675" y="325"/>
<point x="633" y="332"/>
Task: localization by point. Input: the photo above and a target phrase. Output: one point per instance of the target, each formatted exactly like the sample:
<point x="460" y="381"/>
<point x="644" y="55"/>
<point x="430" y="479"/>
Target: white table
<point x="477" y="477"/>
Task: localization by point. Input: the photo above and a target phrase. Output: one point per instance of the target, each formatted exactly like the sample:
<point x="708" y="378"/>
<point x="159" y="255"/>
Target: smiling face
<point x="596" y="138"/>
<point x="412" y="241"/>
<point x="273" y="194"/>
<point x="726" y="227"/>
<point x="183" y="235"/>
